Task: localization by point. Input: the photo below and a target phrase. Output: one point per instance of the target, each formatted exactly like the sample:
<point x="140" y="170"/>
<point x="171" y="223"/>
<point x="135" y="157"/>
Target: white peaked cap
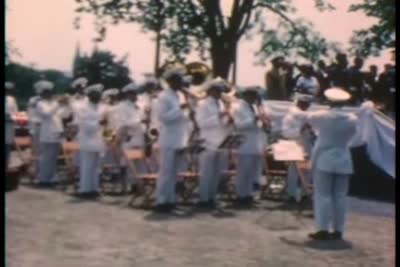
<point x="179" y="71"/>
<point x="337" y="95"/>
<point x="150" y="80"/>
<point x="9" y="85"/>
<point x="131" y="87"/>
<point x="82" y="81"/>
<point x="110" y="92"/>
<point x="33" y="100"/>
<point x="303" y="97"/>
<point x="216" y="83"/>
<point x="43" y="85"/>
<point x="98" y="87"/>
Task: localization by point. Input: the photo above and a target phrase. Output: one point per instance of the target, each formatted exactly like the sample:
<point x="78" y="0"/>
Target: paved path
<point x="52" y="229"/>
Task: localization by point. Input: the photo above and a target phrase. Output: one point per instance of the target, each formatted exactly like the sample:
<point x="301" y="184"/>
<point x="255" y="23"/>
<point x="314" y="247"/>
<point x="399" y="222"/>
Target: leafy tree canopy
<point x="103" y="67"/>
<point x="201" y="25"/>
<point x="379" y="36"/>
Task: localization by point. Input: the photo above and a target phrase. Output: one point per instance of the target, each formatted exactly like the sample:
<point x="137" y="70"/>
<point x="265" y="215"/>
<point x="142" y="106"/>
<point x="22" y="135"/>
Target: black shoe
<point x="320" y="235"/>
<point x="134" y="189"/>
<point x="203" y="204"/>
<point x="336" y="235"/>
<point x="256" y="186"/>
<point x="162" y="208"/>
<point x="212" y="204"/>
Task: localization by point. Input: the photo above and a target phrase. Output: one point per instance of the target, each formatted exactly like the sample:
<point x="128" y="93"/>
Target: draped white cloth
<point x="375" y="130"/>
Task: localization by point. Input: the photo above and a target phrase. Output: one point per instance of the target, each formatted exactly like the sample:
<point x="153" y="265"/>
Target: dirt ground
<point x="49" y="228"/>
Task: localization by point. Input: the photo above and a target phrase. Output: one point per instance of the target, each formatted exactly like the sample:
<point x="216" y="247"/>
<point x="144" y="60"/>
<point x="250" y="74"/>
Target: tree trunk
<point x="223" y="56"/>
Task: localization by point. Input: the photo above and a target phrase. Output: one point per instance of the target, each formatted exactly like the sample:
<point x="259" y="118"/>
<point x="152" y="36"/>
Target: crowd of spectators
<point x="281" y="81"/>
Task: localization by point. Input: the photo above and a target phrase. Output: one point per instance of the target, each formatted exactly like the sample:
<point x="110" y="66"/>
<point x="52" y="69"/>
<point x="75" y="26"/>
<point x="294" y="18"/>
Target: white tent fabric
<point x="375" y="130"/>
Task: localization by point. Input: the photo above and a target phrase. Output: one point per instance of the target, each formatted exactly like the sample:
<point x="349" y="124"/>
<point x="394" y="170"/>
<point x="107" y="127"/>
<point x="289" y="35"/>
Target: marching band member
<point x="77" y="101"/>
<point x="11" y="109"/>
<point x="249" y="124"/>
<point x="130" y="127"/>
<point x="213" y="122"/>
<point x="331" y="164"/>
<point x="79" y="98"/>
<point x="34" y="123"/>
<point x="110" y="100"/>
<point x="90" y="137"/>
<point x="170" y="113"/>
<point x="294" y="127"/>
<point x="50" y="133"/>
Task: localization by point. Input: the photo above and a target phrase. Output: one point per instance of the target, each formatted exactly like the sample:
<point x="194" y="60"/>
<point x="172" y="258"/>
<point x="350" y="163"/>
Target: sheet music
<point x="286" y="150"/>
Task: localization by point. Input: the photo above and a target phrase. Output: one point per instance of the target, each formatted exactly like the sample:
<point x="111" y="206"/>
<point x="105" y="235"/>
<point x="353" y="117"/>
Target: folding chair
<point x="191" y="176"/>
<point x="23" y="147"/>
<point x="69" y="150"/>
<point x="276" y="176"/>
<point x="146" y="181"/>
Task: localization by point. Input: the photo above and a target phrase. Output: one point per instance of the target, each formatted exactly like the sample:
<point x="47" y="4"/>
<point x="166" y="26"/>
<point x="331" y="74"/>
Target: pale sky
<point x="43" y="31"/>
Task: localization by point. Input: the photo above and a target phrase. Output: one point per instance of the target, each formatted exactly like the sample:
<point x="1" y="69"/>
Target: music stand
<point x="232" y="141"/>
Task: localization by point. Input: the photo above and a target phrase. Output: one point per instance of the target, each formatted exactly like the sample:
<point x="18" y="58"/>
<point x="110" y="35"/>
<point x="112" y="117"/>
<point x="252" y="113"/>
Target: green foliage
<point x="102" y="67"/>
<point x="24" y="77"/>
<point x="200" y="25"/>
<point x="380" y="35"/>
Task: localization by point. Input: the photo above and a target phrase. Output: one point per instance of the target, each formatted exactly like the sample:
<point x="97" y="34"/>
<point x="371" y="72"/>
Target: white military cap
<point x="174" y="71"/>
<point x="131" y="87"/>
<point x="98" y="87"/>
<point x="303" y="97"/>
<point x="43" y="85"/>
<point x="216" y="83"/>
<point x="337" y="95"/>
<point x="82" y="81"/>
<point x="110" y="92"/>
<point x="9" y="85"/>
<point x="33" y="100"/>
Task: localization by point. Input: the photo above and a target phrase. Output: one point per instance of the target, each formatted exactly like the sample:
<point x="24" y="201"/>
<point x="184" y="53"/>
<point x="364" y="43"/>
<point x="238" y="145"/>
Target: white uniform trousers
<point x="330" y="193"/>
<point x="48" y="161"/>
<point x="167" y="176"/>
<point x="36" y="144"/>
<point x="248" y="168"/>
<point x="89" y="171"/>
<point x="211" y="164"/>
<point x="294" y="186"/>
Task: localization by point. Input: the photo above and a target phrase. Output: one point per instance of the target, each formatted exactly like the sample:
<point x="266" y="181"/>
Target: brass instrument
<point x="199" y="71"/>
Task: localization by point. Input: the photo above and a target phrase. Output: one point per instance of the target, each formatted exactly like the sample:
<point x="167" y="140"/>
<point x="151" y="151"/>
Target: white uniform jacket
<point x="90" y="135"/>
<point x="292" y="124"/>
<point x="76" y="104"/>
<point x="129" y="116"/>
<point x="11" y="109"/>
<point x="213" y="128"/>
<point x="331" y="152"/>
<point x="50" y="121"/>
<point x="173" y="123"/>
<point x="254" y="138"/>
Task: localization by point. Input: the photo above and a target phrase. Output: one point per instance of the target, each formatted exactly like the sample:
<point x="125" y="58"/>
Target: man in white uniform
<point x="250" y="124"/>
<point x="34" y="123"/>
<point x="90" y="137"/>
<point x="213" y="122"/>
<point x="130" y="127"/>
<point x="332" y="164"/>
<point x="294" y="127"/>
<point x="173" y="126"/>
<point x="77" y="101"/>
<point x="50" y="133"/>
<point x="11" y="109"/>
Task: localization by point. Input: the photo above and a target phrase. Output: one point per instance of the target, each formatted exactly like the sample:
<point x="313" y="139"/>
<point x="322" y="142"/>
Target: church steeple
<point x="77" y="58"/>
